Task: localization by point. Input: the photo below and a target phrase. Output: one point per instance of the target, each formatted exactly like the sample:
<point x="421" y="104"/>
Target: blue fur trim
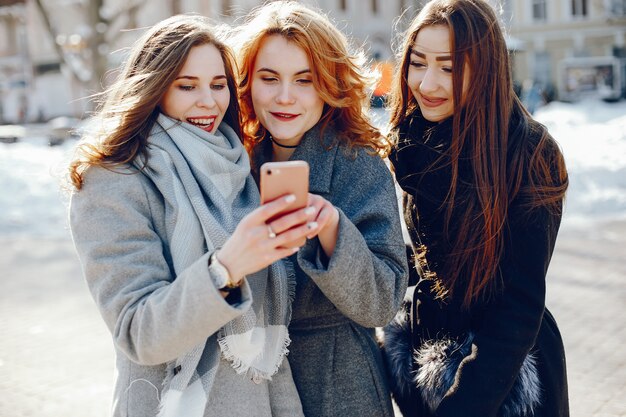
<point x="430" y="371"/>
<point x="437" y="363"/>
<point x="525" y="395"/>
<point x="397" y="352"/>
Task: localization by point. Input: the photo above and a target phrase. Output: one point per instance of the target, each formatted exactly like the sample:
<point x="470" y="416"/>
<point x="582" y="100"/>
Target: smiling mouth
<point x="204" y="123"/>
<point x="284" y="116"/>
<point x="432" y="102"/>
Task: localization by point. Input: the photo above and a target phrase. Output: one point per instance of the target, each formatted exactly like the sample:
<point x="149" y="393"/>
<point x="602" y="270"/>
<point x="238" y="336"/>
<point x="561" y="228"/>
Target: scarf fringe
<point x="243" y="368"/>
<point x="169" y="403"/>
<point x="189" y="403"/>
<point x="236" y="362"/>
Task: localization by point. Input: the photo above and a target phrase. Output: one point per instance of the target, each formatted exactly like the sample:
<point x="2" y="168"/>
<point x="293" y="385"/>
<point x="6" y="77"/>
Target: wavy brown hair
<point x="339" y="76"/>
<point x="129" y="108"/>
<point x="491" y="127"/>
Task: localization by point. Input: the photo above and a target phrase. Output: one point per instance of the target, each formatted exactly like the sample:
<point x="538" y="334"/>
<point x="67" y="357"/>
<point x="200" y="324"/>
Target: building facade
<point x="90" y="36"/>
<point x="36" y="84"/>
<point x="566" y="46"/>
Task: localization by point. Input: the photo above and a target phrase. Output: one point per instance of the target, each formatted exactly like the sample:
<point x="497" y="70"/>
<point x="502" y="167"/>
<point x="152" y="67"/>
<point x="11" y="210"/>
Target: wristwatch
<point x="221" y="275"/>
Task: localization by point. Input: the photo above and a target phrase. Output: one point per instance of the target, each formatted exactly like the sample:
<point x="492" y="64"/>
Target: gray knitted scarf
<point x="207" y="187"/>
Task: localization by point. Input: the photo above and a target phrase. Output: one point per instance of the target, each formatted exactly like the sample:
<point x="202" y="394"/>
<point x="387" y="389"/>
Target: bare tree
<point x="89" y="65"/>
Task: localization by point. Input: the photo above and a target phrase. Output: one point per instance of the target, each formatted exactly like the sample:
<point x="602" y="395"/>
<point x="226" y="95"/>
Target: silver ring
<point x="270" y="232"/>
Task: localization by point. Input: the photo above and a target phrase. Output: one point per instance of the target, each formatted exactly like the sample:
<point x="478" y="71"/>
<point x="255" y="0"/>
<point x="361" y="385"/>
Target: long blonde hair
<point x="130" y="106"/>
<point x="339" y="76"/>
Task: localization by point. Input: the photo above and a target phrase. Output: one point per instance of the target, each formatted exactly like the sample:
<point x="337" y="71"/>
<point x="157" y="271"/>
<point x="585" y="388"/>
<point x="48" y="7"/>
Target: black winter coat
<point x="505" y="356"/>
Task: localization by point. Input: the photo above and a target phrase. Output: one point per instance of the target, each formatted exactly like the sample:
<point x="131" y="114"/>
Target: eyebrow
<point x="304" y="71"/>
<point x="438" y="58"/>
<point x="190" y="77"/>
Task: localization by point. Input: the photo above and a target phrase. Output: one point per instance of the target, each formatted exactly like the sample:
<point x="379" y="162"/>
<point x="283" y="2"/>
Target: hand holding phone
<point x="281" y="178"/>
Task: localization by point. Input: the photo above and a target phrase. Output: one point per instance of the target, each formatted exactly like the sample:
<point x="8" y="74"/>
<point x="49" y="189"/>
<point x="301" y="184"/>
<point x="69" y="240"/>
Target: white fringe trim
<point x="254" y="367"/>
<point x="188" y="403"/>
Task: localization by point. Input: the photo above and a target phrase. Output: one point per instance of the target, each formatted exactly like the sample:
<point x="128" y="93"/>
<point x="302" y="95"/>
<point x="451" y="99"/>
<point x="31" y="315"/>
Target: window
<point x="579" y="8"/>
<point x="539" y="10"/>
<point x="47" y="67"/>
<point x="619" y="51"/>
<point x="617" y="8"/>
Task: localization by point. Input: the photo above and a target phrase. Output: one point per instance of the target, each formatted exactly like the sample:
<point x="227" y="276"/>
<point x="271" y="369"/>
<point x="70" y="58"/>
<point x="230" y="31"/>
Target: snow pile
<point x="592" y="135"/>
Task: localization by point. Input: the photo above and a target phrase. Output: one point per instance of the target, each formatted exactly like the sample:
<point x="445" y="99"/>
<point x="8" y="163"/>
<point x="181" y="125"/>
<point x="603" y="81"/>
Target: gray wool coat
<point x="334" y="356"/>
<point x="118" y="226"/>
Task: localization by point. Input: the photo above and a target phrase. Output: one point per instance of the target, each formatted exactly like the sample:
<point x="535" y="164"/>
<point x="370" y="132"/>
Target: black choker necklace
<point x="280" y="145"/>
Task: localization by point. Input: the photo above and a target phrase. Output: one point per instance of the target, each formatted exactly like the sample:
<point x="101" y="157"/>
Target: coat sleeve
<point x="153" y="316"/>
<point x="366" y="278"/>
<point x="510" y="323"/>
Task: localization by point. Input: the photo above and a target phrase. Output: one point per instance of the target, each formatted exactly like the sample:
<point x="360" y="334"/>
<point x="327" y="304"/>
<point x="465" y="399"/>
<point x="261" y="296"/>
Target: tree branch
<point x="53" y="35"/>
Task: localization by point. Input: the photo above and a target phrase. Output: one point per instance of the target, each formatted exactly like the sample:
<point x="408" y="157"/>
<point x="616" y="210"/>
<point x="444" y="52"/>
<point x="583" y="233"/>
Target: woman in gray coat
<point x="177" y="256"/>
<point x="302" y="95"/>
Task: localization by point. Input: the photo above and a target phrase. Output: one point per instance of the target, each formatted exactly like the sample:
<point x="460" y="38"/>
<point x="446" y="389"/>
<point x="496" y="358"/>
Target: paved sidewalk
<point x="587" y="295"/>
<point x="56" y="356"/>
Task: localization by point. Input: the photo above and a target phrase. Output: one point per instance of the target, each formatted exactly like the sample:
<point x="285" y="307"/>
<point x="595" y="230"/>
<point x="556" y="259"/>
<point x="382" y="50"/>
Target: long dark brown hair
<point x="491" y="127"/>
<point x="130" y="106"/>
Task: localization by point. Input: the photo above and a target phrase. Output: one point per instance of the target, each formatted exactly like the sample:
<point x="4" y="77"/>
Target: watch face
<point x="221" y="280"/>
<point x="219" y="272"/>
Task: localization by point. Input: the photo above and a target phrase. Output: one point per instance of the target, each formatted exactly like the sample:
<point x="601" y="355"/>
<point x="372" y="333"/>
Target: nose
<point x="429" y="83"/>
<point x="206" y="99"/>
<point x="285" y="95"/>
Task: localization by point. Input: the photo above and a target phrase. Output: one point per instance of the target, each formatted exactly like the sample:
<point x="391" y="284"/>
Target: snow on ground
<point x="592" y="135"/>
<point x="31" y="201"/>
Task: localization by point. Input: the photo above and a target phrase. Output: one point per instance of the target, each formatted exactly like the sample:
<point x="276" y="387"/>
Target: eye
<point x="268" y="79"/>
<point x="417" y="64"/>
<point x="186" y="87"/>
<point x="218" y="86"/>
<point x="304" y="81"/>
<point x="447" y="70"/>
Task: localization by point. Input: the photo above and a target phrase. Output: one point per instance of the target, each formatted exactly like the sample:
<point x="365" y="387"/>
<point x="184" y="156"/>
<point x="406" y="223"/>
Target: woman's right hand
<point x="251" y="247"/>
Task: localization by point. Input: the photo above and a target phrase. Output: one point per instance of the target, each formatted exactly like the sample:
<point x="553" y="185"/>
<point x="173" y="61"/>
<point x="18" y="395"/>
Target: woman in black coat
<point x="483" y="190"/>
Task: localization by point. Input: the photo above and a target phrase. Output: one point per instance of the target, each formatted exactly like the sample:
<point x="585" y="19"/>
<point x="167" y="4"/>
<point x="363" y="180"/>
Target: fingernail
<point x="309" y="210"/>
<point x="290" y="198"/>
<point x="295" y="249"/>
<point x="311" y="225"/>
